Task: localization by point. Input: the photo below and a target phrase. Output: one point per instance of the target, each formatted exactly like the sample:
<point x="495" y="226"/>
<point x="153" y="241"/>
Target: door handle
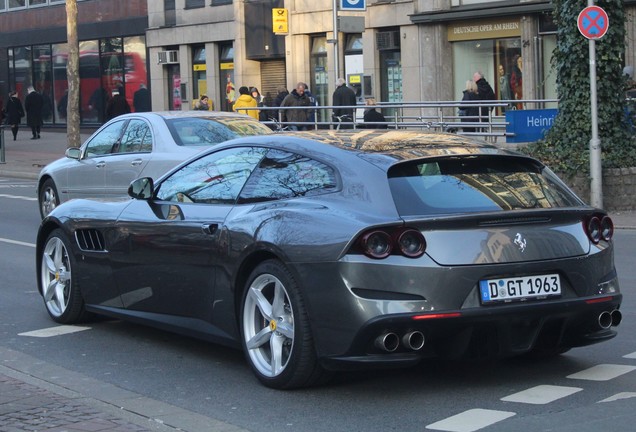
<point x="136" y="162"/>
<point x="101" y="164"/>
<point x="209" y="229"/>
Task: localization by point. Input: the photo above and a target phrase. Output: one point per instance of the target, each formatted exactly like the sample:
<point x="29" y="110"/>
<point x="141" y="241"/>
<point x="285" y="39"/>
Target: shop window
<point x="42" y="79"/>
<point x="226" y="72"/>
<point x="319" y="78"/>
<point x="199" y="69"/>
<point x="17" y="4"/>
<point x="23" y="70"/>
<point x="60" y="86"/>
<point x="136" y="73"/>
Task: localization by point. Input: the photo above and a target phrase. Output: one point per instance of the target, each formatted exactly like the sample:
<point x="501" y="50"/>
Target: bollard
<point x="2" y="144"/>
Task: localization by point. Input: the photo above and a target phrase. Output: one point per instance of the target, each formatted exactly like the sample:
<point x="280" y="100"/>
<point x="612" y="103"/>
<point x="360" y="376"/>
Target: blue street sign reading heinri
<point x="528" y="125"/>
<point x="353" y="5"/>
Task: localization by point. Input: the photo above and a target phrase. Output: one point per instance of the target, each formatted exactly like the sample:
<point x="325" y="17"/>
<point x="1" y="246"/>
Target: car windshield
<point x="475" y="184"/>
<point x="202" y="131"/>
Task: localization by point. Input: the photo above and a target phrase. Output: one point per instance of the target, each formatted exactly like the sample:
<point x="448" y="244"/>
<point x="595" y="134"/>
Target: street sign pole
<point x="336" y="54"/>
<point x="596" y="171"/>
<point x="593" y="23"/>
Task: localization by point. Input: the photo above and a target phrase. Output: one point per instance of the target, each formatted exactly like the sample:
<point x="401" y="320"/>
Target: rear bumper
<point x="486" y="332"/>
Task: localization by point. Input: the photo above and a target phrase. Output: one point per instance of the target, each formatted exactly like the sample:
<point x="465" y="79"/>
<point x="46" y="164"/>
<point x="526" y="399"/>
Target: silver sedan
<point x="132" y="146"/>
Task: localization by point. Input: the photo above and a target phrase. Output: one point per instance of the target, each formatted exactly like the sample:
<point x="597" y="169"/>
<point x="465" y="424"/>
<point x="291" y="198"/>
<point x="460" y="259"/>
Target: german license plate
<point x="519" y="288"/>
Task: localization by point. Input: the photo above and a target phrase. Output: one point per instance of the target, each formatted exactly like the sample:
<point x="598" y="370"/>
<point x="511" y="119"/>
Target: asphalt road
<point x="198" y="386"/>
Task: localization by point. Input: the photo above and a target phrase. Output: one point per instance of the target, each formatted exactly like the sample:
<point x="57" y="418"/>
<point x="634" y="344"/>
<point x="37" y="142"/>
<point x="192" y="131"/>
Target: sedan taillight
<point x="380" y="243"/>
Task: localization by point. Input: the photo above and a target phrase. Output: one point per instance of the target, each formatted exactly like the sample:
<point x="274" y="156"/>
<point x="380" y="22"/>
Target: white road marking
<point x="16" y="242"/>
<point x="471" y="420"/>
<point x="542" y="394"/>
<point x="18" y="197"/>
<point x="630" y="356"/>
<point x="54" y="331"/>
<point x="602" y="372"/>
<point x="619" y="396"/>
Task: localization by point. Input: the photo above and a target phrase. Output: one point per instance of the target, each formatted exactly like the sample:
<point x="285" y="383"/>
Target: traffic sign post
<point x="593" y="23"/>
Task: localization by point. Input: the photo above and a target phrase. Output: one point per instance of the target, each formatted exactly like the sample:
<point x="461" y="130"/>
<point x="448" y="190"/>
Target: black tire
<point x="275" y="330"/>
<point x="60" y="291"/>
<point x="48" y="198"/>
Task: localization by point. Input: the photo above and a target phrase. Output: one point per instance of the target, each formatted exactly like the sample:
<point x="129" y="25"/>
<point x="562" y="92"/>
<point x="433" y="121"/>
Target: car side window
<point x="216" y="178"/>
<point x="136" y="139"/>
<point x="283" y="175"/>
<point x="104" y="142"/>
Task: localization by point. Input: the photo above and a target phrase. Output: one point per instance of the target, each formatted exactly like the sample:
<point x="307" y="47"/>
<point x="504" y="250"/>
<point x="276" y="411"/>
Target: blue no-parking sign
<point x="593" y="22"/>
<point x="353" y="5"/>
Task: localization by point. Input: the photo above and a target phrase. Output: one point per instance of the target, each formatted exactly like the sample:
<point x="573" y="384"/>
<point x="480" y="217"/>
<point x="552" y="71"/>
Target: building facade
<point x="394" y="50"/>
<point x="33" y="52"/>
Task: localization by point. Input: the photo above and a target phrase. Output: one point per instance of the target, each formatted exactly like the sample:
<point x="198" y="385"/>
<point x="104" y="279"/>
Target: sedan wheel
<point x="275" y="330"/>
<point x="61" y="295"/>
<point x="48" y="198"/>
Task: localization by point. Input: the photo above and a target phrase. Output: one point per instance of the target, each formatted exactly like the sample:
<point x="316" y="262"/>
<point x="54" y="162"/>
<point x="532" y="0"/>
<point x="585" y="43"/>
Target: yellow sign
<point x="355" y="79"/>
<point x="280" y="21"/>
<point x="199" y="67"/>
<point x="225" y="66"/>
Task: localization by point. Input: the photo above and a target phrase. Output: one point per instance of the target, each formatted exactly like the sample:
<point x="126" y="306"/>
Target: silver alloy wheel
<point x="56" y="276"/>
<point x="268" y="323"/>
<point x="49" y="200"/>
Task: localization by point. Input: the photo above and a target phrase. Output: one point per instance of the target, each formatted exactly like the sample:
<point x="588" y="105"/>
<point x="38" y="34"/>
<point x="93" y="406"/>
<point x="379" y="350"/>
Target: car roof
<point x="188" y="114"/>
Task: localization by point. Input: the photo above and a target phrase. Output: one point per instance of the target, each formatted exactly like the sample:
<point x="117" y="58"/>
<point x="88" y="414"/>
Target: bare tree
<point x="72" y="70"/>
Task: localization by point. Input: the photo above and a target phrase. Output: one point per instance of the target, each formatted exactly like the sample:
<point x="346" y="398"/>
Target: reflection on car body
<point x="135" y="145"/>
<point x="322" y="251"/>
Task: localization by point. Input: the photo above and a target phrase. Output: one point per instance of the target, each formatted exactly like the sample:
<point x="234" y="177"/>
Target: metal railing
<point x="440" y="116"/>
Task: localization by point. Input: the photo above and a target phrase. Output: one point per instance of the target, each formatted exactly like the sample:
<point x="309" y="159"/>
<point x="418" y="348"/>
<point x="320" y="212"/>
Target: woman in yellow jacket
<point x="245" y="100"/>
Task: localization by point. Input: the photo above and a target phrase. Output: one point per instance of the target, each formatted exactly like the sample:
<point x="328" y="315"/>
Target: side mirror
<point x="73" y="152"/>
<point x="142" y="188"/>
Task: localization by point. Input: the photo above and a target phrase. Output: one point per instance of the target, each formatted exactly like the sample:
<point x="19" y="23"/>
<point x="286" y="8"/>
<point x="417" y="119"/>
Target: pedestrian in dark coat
<point x="470" y="113"/>
<point x="33" y="105"/>
<point x="116" y="106"/>
<point x="343" y="96"/>
<point x="485" y="93"/>
<point x="297" y="98"/>
<point x="372" y="118"/>
<point x="14" y="113"/>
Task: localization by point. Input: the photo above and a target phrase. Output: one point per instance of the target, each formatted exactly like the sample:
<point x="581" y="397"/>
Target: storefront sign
<point x="528" y="125"/>
<point x="280" y="22"/>
<point x="199" y="67"/>
<point x="486" y="29"/>
<point x="226" y="66"/>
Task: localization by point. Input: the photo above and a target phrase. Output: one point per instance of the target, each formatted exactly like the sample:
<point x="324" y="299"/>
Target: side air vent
<point x="90" y="240"/>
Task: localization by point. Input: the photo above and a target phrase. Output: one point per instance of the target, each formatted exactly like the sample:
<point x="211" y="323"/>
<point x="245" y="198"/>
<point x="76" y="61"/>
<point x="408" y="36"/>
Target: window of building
<point x="17" y="4"/>
<point x="3" y="5"/>
<point x="136" y="72"/>
<point x="199" y="70"/>
<point x="226" y="72"/>
<point x="319" y="78"/>
<point x="192" y="4"/>
<point x="42" y="79"/>
<point x="37" y="3"/>
<point x="220" y="2"/>
<point x="23" y="70"/>
<point x="60" y="81"/>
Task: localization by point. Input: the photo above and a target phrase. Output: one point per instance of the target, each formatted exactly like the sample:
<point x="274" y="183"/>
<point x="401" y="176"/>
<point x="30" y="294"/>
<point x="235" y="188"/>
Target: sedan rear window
<point x="201" y="131"/>
<point x="475" y="184"/>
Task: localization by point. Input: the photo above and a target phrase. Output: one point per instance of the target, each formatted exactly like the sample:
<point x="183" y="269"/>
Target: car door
<point x="129" y="157"/>
<point x="169" y="248"/>
<point x="86" y="177"/>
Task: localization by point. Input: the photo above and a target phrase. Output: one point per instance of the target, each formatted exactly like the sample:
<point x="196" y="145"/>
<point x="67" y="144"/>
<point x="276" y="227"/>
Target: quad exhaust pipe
<point x="390" y="342"/>
<point x="609" y="319"/>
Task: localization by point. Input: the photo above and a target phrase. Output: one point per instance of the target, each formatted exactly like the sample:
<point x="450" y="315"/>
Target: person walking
<point x="245" y="100"/>
<point x="141" y="99"/>
<point x="117" y="105"/>
<point x="470" y="113"/>
<point x="33" y="105"/>
<point x="343" y="96"/>
<point x="484" y="93"/>
<point x="297" y="117"/>
<point x="14" y="113"/>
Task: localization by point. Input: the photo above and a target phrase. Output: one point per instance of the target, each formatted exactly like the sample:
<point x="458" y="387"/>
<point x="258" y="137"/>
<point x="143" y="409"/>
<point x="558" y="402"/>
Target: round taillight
<point x="607" y="228"/>
<point x="594" y="229"/>
<point x="411" y="243"/>
<point x="377" y="244"/>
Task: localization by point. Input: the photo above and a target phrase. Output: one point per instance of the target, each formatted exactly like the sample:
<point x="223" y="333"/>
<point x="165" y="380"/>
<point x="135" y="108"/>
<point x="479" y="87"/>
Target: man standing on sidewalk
<point x="343" y="96"/>
<point x="33" y="104"/>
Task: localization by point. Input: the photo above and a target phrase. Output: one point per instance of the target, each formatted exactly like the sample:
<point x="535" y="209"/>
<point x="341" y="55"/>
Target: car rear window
<point x="475" y="184"/>
<point x="202" y="131"/>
